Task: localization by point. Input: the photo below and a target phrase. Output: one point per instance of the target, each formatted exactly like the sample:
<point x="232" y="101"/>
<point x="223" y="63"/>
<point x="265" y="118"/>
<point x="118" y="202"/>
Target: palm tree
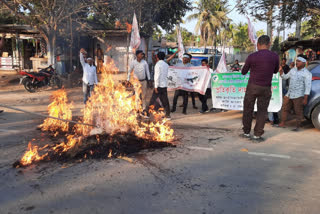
<point x="211" y="18"/>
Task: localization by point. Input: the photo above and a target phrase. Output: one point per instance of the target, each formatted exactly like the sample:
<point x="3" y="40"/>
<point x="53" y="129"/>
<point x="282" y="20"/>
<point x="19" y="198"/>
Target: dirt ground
<point x="212" y="169"/>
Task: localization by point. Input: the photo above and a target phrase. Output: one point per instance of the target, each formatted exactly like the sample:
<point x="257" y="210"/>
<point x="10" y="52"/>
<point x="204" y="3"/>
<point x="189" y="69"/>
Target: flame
<point x="117" y="24"/>
<point x="31" y="155"/>
<point x="112" y="108"/>
<point x="58" y="108"/>
<point x="129" y="27"/>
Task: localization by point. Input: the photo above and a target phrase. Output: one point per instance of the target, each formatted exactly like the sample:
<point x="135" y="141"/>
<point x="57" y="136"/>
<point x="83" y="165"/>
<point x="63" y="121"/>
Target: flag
<point x="180" y="43"/>
<point x="222" y="66"/>
<point x="135" y="36"/>
<point x="252" y="33"/>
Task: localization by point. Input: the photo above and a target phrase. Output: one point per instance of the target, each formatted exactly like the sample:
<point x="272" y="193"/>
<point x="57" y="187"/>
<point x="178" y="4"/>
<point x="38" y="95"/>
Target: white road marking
<point x="269" y="155"/>
<point x="200" y="148"/>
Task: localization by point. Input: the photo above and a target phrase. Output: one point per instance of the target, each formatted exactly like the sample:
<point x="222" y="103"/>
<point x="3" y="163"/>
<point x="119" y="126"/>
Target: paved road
<point x="212" y="170"/>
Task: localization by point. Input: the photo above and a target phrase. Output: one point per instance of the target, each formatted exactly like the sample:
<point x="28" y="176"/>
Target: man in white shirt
<point x="161" y="83"/>
<point x="89" y="78"/>
<point x="139" y="69"/>
<point x="204" y="98"/>
<point x="298" y="92"/>
<point x="185" y="63"/>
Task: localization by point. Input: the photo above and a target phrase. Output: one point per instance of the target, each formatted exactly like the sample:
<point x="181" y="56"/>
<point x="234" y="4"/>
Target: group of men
<point x="262" y="65"/>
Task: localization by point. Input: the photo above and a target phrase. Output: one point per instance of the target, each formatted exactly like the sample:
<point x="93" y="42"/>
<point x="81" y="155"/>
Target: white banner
<point x="194" y="79"/>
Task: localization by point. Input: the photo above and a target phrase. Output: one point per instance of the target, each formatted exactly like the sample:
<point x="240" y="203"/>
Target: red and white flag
<point x="135" y="36"/>
<point x="180" y="43"/>
<point x="252" y="33"/>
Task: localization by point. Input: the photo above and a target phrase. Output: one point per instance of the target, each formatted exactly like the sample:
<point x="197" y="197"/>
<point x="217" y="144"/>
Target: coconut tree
<point x="211" y="17"/>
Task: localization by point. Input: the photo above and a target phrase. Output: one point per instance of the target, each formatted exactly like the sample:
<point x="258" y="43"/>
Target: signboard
<point x="228" y="91"/>
<point x="194" y="79"/>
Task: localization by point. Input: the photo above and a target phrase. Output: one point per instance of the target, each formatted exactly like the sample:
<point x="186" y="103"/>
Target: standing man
<point x="161" y="83"/>
<point x="185" y="63"/>
<point x="99" y="58"/>
<point x="262" y="65"/>
<point x="89" y="75"/>
<point x="139" y="69"/>
<point x="204" y="98"/>
<point x="299" y="90"/>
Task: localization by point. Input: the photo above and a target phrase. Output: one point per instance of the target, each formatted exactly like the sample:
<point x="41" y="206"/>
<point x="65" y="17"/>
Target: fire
<point x="59" y="108"/>
<point x="112" y="108"/>
<point x="129" y="27"/>
<point x="31" y="155"/>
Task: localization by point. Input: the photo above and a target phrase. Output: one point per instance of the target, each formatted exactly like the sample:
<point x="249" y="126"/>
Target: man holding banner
<point x="262" y="65"/>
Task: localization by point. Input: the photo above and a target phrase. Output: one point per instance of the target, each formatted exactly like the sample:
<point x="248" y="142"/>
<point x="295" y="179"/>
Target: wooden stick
<point x="46" y="116"/>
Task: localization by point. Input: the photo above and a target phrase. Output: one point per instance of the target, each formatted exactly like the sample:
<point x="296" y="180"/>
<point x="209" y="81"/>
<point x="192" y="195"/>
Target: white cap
<point x="301" y="59"/>
<point x="186" y="56"/>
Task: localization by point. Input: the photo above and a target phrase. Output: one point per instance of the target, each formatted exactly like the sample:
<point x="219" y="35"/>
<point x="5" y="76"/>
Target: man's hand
<point x="281" y="70"/>
<point x="83" y="51"/>
<point x="305" y="100"/>
<point x="156" y="90"/>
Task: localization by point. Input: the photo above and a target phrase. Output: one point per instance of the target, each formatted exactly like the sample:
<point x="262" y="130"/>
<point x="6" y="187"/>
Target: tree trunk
<point x="298" y="29"/>
<point x="51" y="47"/>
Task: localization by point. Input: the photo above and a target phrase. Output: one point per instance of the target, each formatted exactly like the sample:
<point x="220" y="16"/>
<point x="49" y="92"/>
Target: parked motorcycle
<point x="45" y="77"/>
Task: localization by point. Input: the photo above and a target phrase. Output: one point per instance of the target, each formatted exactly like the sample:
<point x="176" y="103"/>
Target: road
<point x="211" y="170"/>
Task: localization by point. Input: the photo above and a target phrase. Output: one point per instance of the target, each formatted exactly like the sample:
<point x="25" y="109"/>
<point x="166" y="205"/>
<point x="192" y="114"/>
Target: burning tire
<point x="28" y="85"/>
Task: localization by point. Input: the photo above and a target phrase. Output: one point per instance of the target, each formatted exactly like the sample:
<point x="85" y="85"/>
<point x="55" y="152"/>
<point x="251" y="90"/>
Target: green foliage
<point x="276" y="45"/>
<point x="211" y="16"/>
<point x="150" y="13"/>
<point x="311" y="28"/>
<point x="241" y="38"/>
<point x="187" y="36"/>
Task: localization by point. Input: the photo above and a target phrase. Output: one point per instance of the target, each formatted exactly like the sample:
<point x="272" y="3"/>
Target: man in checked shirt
<point x="298" y="92"/>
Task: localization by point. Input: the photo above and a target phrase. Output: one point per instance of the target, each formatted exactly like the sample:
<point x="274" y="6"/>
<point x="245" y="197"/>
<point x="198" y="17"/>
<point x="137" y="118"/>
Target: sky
<point x="236" y="18"/>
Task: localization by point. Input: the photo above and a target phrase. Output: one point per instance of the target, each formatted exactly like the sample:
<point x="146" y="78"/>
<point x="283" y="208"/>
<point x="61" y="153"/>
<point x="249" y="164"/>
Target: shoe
<point x="195" y="107"/>
<point x="202" y="112"/>
<point x="281" y="125"/>
<point x="244" y="135"/>
<point x="295" y="129"/>
<point x="181" y="105"/>
<point x="257" y="139"/>
<point x="184" y="112"/>
<point x="173" y="110"/>
<point x="1" y="111"/>
<point x="271" y="123"/>
<point x="168" y="117"/>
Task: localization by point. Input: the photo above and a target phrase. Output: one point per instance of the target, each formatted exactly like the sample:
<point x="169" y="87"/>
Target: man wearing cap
<point x="298" y="92"/>
<point x="89" y="75"/>
<point x="185" y="63"/>
<point x="139" y="69"/>
<point x="262" y="65"/>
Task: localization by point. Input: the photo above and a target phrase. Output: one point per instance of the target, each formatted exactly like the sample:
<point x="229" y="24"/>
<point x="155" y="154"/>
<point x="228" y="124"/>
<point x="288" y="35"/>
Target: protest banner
<point x="193" y="79"/>
<point x="228" y="91"/>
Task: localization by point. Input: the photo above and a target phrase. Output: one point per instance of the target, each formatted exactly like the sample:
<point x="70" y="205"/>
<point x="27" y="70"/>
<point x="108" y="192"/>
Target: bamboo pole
<point x="45" y="116"/>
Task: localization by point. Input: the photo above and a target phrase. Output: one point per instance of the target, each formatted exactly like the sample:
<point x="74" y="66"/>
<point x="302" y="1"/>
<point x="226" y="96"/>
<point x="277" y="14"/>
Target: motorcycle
<point x="45" y="77"/>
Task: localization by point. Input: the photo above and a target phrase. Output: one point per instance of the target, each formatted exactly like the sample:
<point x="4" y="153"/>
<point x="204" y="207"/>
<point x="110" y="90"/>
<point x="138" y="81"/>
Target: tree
<point x="296" y="10"/>
<point x="187" y="36"/>
<point x="211" y="16"/>
<point x="261" y="10"/>
<point x="150" y="13"/>
<point x="48" y="17"/>
<point x="241" y="38"/>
